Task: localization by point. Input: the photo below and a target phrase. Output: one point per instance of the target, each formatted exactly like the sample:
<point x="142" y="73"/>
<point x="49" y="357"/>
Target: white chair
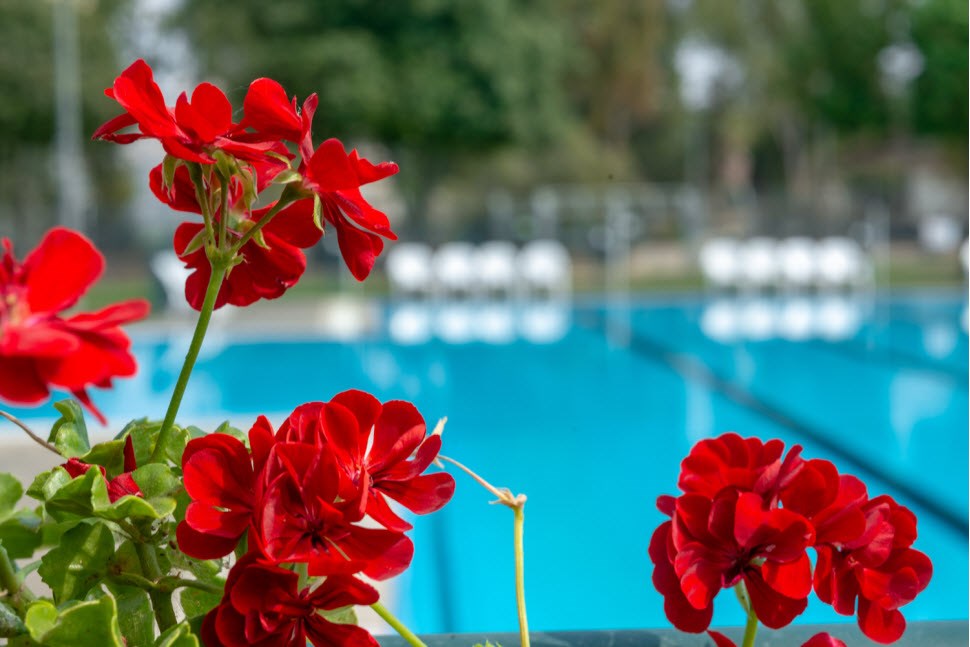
<point x="797" y="262"/>
<point x="454" y="271"/>
<point x="545" y="268"/>
<point x="841" y="263"/>
<point x="719" y="262"/>
<point x="408" y="267"/>
<point x="758" y="261"/>
<point x="172" y="274"/>
<point x="497" y="271"/>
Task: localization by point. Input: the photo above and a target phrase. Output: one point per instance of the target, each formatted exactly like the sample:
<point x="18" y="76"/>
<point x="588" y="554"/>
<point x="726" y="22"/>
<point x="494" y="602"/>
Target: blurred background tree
<point x="739" y="99"/>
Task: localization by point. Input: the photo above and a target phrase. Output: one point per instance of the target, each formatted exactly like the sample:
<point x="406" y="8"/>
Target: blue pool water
<point x="592" y="426"/>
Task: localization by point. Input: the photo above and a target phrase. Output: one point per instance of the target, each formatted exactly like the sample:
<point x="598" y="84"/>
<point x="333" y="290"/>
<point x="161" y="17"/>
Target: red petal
<point x="423" y="494"/>
<point x="720" y="640"/>
<point x="773" y="609"/>
<point x="203" y="546"/>
<point x="882" y="625"/>
<point x="60" y="270"/>
<point x="823" y="640"/>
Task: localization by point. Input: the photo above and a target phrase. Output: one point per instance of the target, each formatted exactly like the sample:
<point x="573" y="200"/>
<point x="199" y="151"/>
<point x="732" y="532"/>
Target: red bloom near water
<point x="40" y="349"/>
<point x="336" y="178"/>
<point x="373" y="444"/>
<point x="748" y="515"/>
<point x="264" y="606"/>
<point x="818" y="640"/>
<point x="192" y="131"/>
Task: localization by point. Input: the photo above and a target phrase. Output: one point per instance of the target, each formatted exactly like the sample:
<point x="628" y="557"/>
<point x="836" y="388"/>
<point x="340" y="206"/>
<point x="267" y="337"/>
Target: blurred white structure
<point x="842" y="263"/>
<point x="719" y="262"/>
<point x="545" y="268"/>
<point x="171" y="274"/>
<point x="797" y="262"/>
<point x="939" y="233"/>
<point x="454" y="271"/>
<point x="496" y="267"/>
<point x="492" y="293"/>
<point x="758" y="261"/>
<point x="408" y="267"/>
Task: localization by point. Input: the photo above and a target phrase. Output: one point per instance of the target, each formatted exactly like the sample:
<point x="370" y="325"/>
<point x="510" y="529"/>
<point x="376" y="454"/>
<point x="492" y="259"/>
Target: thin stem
<point x="161" y="601"/>
<point x="223" y="210"/>
<point x="751" y="626"/>
<point x="520" y="574"/>
<point x="8" y="580"/>
<point x="517" y="503"/>
<point x="288" y="198"/>
<point x="169" y="584"/>
<point x="485" y="484"/>
<point x="37" y="439"/>
<point x="205" y="314"/>
<point x="201" y="196"/>
<point x="397" y="625"/>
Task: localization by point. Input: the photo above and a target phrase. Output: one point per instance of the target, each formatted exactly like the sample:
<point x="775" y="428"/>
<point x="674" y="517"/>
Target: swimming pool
<point x="592" y="423"/>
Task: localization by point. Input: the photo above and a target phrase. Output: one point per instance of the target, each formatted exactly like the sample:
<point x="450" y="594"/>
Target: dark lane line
<point x="696" y="371"/>
<point x="894" y="357"/>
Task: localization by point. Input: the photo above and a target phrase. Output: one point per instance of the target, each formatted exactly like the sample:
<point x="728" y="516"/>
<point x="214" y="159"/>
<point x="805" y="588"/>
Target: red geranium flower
<point x="263" y="606"/>
<point x="38" y="348"/>
<point x="714" y="544"/>
<point x="374" y="443"/>
<point x="266" y="271"/>
<point x="743" y="463"/>
<point x="301" y="518"/>
<point x="121" y="485"/>
<point x="221" y="477"/>
<point x="336" y="178"/>
<point x="269" y="112"/>
<point x="878" y="569"/>
<point x="192" y="131"/>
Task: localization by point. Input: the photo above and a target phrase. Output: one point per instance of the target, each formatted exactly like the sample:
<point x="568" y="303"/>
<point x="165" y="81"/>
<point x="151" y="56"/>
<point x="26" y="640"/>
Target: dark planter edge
<point x="944" y="633"/>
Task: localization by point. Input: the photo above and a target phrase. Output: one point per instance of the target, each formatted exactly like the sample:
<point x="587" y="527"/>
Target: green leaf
<point x="178" y="636"/>
<point x="317" y="208"/>
<point x="21" y="534"/>
<point x="125" y="559"/>
<point x="196" y="602"/>
<point x="156" y="479"/>
<point x="92" y="623"/>
<point x="342" y="616"/>
<point x="47" y="483"/>
<point x="144" y="433"/>
<point x="135" y="616"/>
<point x="109" y="454"/>
<point x="79" y="562"/>
<point x="70" y="434"/>
<point x="287" y="176"/>
<point x="226" y="428"/>
<point x="195" y="243"/>
<point x="10" y="623"/>
<point x="10" y="492"/>
<point x="169" y="164"/>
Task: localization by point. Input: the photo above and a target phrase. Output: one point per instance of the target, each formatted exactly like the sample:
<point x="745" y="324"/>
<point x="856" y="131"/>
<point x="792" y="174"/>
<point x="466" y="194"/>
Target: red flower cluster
<point x="200" y="131"/>
<point x="299" y="495"/>
<point x="39" y="349"/>
<point x="749" y="515"/>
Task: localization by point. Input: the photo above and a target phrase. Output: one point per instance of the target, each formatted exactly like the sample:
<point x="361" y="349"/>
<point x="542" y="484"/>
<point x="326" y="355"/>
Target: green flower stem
<point x="161" y="601"/>
<point x="169" y="584"/>
<point x="205" y="314"/>
<point x="195" y="174"/>
<point x="751" y="627"/>
<point x="518" y="524"/>
<point x="20" y="595"/>
<point x="517" y="503"/>
<point x="289" y="197"/>
<point x="397" y="625"/>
